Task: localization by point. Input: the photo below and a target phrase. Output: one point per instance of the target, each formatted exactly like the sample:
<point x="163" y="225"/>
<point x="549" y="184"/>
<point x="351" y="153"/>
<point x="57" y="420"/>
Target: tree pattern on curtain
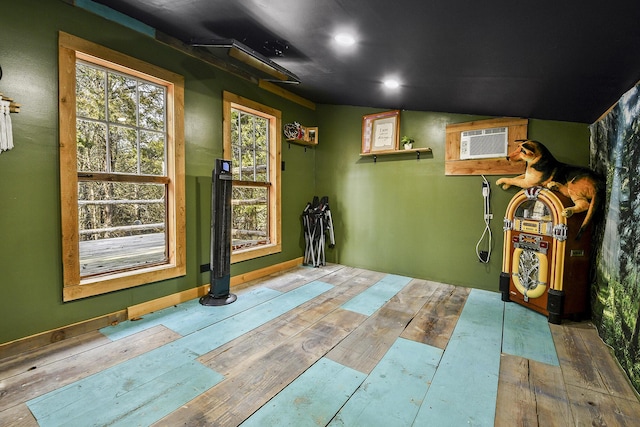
<point x="615" y="153"/>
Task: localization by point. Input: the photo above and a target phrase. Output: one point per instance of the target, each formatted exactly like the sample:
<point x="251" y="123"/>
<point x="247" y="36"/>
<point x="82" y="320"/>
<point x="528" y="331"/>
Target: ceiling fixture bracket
<point x="250" y="57"/>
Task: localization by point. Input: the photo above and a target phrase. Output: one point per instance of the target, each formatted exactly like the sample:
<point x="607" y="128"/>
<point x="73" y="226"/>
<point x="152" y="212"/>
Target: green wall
<point x="30" y="243"/>
<point x="399" y="215"/>
<point x="404" y="216"/>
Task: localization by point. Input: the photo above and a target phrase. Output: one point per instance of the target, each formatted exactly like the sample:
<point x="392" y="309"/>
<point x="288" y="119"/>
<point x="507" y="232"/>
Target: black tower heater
<point x="220" y="262"/>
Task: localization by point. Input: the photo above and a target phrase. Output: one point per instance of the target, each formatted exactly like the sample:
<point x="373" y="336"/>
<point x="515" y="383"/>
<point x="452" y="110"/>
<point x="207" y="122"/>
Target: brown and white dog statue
<point x="578" y="183"/>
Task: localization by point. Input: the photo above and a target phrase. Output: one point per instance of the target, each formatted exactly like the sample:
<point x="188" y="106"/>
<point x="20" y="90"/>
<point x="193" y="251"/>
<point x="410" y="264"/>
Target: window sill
<point x="115" y="282"/>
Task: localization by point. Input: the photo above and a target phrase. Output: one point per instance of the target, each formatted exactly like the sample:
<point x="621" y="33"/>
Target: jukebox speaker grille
<point x="529" y="269"/>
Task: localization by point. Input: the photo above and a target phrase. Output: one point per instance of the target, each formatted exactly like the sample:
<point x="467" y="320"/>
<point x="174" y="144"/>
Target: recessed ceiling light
<point x="344" y="39"/>
<point x="391" y="83"/>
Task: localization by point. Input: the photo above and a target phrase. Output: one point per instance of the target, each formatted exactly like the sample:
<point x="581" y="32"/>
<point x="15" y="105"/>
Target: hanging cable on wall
<point x="485" y="255"/>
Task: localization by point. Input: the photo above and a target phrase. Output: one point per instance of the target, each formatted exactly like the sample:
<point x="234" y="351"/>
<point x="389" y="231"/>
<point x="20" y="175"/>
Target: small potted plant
<point x="407" y="142"/>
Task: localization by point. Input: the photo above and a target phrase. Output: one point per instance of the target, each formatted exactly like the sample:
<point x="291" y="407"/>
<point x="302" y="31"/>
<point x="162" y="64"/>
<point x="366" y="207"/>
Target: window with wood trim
<point x="252" y="142"/>
<point x="121" y="170"/>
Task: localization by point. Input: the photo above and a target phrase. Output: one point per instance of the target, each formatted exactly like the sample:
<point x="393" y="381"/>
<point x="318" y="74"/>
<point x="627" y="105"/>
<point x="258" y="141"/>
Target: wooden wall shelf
<point x="310" y="138"/>
<point x="302" y="142"/>
<point x="415" y="151"/>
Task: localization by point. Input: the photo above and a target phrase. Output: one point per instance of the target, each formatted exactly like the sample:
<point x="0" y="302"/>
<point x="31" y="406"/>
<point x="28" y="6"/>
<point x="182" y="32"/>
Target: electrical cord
<point x="484" y="256"/>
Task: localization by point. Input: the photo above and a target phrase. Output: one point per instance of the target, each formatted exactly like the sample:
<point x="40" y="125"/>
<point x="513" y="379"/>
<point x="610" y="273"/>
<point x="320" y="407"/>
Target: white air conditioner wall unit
<point x="484" y="143"/>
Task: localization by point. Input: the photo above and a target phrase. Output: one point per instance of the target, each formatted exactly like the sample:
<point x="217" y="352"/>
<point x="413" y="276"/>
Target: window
<point x="252" y="142"/>
<point x="121" y="170"/>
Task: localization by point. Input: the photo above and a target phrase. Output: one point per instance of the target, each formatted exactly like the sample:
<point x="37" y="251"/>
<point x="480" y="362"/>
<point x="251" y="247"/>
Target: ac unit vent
<point x="484" y="143"/>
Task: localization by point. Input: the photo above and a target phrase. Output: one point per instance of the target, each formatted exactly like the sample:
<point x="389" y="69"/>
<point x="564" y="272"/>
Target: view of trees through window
<point x="250" y="156"/>
<point x="122" y="184"/>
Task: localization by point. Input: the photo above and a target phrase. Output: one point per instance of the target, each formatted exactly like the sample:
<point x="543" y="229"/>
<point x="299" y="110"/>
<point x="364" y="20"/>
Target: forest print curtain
<point x="615" y="299"/>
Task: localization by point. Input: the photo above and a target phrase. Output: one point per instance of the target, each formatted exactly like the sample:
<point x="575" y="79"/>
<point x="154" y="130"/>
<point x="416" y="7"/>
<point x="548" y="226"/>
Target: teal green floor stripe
<point x="189" y="316"/>
<point x="407" y="369"/>
<point x="465" y="385"/>
<point x="312" y="399"/>
<point x="133" y="389"/>
<point x="211" y="337"/>
<point x="527" y="334"/>
<point x="130" y="389"/>
<point x="377" y="295"/>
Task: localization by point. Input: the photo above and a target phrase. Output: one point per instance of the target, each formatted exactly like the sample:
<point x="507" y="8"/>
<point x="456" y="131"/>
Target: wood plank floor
<point x="335" y="346"/>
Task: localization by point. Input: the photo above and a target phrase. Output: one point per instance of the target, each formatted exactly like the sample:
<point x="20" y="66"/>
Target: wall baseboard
<point x="42" y="339"/>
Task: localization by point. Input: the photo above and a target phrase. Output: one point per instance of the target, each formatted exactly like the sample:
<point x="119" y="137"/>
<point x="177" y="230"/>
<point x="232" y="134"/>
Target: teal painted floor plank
<point x="99" y="390"/>
<point x="407" y="369"/>
<point x="527" y="334"/>
<point x="204" y="316"/>
<point x="152" y="401"/>
<point x="464" y="388"/>
<point x="189" y="316"/>
<point x="130" y="327"/>
<point x="369" y="301"/>
<point x="312" y="399"/>
<point x="55" y="407"/>
<point x="212" y="337"/>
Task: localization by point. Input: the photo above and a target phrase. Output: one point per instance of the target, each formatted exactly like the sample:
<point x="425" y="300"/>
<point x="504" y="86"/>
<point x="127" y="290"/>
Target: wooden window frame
<point x="70" y="49"/>
<point x="229" y="101"/>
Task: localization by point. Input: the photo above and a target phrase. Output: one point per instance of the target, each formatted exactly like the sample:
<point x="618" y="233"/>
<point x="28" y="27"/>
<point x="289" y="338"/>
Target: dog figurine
<point x="580" y="184"/>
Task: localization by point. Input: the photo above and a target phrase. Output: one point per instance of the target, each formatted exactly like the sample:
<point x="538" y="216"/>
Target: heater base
<point x="210" y="300"/>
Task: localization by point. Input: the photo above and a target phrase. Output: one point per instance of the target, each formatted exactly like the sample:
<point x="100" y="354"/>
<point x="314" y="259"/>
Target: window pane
<point x="121" y="225"/>
<point x="90" y="92"/>
<point x="151" y="153"/>
<point x="249" y="217"/>
<point x="262" y="170"/>
<point x="247" y="143"/>
<point x="235" y="162"/>
<point x="123" y="150"/>
<point x="151" y="101"/>
<point x="250" y="141"/>
<point x="122" y="99"/>
<point x="91" y="140"/>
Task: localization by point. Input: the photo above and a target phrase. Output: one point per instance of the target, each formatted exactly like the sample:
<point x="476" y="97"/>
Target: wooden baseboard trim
<point x="22" y="345"/>
<point x="241" y="279"/>
<point x="147" y="307"/>
<point x="31" y="342"/>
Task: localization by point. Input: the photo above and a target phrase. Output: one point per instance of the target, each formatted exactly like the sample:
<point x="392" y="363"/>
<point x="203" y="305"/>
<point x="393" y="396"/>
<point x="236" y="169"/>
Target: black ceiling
<point x="556" y="60"/>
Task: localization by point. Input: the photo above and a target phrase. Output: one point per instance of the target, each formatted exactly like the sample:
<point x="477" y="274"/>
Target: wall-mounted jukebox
<point x="544" y="267"/>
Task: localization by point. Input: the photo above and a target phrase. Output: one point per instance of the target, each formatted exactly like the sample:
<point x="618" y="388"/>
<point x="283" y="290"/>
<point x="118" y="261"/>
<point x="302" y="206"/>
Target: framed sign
<point x="380" y="132"/>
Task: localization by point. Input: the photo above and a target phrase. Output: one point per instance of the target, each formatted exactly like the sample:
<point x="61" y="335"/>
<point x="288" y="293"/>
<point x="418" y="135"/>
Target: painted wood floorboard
<point x="526" y="334"/>
<point x="119" y="391"/>
<point x="407" y="369"/>
<point x="464" y="388"/>
<point x="369" y="301"/>
<point x="310" y="400"/>
<point x="146" y="373"/>
<point x="212" y="337"/>
<point x="190" y="316"/>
